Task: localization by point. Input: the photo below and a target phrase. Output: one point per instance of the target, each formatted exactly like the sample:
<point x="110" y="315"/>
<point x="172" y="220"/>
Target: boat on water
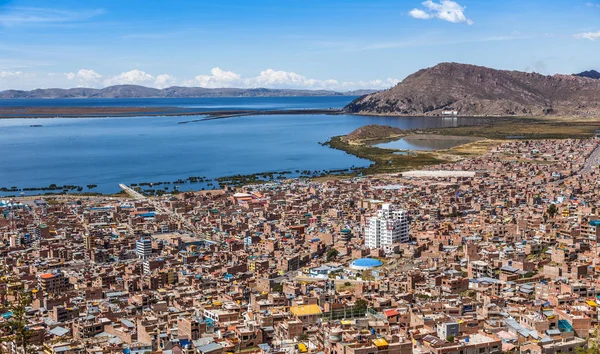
<point x="36" y="125"/>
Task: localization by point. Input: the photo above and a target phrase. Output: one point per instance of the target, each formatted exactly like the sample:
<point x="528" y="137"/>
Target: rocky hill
<point x="135" y="91"/>
<point x="469" y="90"/>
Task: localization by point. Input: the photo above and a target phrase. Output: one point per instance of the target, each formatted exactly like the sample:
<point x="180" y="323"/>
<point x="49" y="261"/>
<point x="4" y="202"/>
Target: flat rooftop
<point x="438" y="174"/>
<point x="169" y="237"/>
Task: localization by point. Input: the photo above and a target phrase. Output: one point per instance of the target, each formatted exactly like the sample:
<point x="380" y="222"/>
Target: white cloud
<point x="592" y="36"/>
<point x="85" y="77"/>
<point x="164" y="80"/>
<point x="90" y="78"/>
<point x="446" y="10"/>
<point x="420" y="14"/>
<point x="10" y="74"/>
<point x="218" y="78"/>
<point x="132" y="77"/>
<point x="278" y="79"/>
<point x="268" y="78"/>
<point x="87" y="74"/>
<point x="15" y="16"/>
<point x="284" y="79"/>
<point x="17" y="80"/>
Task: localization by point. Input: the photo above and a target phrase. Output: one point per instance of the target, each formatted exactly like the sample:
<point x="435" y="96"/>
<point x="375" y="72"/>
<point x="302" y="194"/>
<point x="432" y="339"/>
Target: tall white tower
<point x="391" y="225"/>
<point x="143" y="248"/>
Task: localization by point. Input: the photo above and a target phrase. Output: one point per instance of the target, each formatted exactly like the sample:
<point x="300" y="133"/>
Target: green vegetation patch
<point x="525" y="128"/>
<point x="384" y="160"/>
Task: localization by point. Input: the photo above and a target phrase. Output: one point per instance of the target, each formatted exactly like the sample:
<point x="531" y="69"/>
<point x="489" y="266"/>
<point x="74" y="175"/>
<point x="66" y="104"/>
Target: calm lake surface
<point x="109" y="151"/>
<point x="422" y="145"/>
<point x="206" y="104"/>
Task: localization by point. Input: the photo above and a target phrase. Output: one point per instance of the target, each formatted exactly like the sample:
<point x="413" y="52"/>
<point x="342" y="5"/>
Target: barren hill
<point x="469" y="90"/>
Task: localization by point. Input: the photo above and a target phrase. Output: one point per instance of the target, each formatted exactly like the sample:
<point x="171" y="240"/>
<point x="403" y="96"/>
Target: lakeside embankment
<point x="158" y="188"/>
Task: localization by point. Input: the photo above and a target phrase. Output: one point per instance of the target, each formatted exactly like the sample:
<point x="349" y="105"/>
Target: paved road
<point x="592" y="161"/>
<point x="187" y="225"/>
<point x="131" y="192"/>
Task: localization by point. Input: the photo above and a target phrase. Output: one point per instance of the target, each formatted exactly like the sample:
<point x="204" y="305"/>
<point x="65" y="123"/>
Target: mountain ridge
<point x="137" y="91"/>
<point x="471" y="90"/>
<point x="592" y="74"/>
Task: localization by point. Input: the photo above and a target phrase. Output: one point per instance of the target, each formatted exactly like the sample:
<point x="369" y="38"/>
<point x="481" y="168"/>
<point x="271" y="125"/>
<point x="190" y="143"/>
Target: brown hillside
<point x="479" y="91"/>
<point x="373" y="132"/>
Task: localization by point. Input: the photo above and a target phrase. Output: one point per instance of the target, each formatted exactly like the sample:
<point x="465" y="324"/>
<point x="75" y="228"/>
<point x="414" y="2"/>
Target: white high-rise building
<point x="391" y="225"/>
<point x="143" y="248"/>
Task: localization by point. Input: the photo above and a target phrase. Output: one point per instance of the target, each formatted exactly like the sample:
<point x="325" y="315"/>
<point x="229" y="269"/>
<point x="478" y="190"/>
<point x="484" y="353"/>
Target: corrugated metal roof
<point x="380" y="342"/>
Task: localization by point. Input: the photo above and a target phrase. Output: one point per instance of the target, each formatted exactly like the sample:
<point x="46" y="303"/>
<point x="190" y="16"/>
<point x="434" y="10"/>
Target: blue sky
<point x="332" y="44"/>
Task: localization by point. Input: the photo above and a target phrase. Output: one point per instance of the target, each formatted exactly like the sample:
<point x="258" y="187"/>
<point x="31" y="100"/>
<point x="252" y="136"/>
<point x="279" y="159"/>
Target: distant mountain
<point x="592" y="74"/>
<point x="469" y="90"/>
<point x="359" y="92"/>
<point x="134" y="91"/>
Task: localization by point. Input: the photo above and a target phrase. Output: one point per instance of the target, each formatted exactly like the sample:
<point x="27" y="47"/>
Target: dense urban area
<point x="492" y="254"/>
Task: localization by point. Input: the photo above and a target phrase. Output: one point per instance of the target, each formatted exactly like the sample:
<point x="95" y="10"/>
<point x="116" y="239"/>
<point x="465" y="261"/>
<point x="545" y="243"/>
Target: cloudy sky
<point x="314" y="44"/>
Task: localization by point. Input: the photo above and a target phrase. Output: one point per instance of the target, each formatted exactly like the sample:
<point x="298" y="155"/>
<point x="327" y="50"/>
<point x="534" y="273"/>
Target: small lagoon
<point x="424" y="144"/>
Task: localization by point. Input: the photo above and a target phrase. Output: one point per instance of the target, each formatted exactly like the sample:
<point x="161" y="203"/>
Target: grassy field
<point x="529" y="128"/>
<point x="384" y="160"/>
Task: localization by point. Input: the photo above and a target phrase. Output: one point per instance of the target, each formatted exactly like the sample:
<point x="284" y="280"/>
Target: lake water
<point x="109" y="151"/>
<point x="422" y="145"/>
<point x="204" y="104"/>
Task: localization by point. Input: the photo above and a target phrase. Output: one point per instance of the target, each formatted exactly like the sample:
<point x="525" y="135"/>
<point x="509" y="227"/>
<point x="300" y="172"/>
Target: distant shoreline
<point x="127" y="112"/>
<point x="23" y="112"/>
<point x="177" y="92"/>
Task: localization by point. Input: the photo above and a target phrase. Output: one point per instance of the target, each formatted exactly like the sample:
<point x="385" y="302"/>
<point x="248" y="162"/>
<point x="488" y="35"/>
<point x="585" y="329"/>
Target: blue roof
<point x="367" y="262"/>
<point x="595" y="223"/>
<point x="184" y="342"/>
<point x="565" y="326"/>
